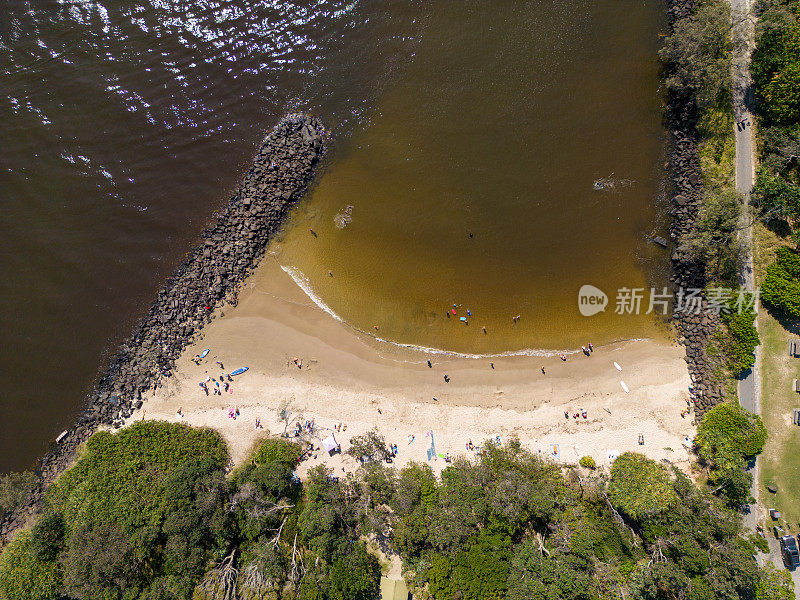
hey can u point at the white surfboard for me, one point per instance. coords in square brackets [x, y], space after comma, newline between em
[617, 367]
[624, 387]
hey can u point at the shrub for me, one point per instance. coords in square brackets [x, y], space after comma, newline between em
[776, 197]
[479, 573]
[715, 243]
[142, 509]
[740, 347]
[270, 471]
[727, 436]
[588, 462]
[355, 575]
[640, 487]
[781, 287]
[15, 489]
[774, 584]
[276, 450]
[536, 575]
[23, 576]
[729, 427]
[371, 444]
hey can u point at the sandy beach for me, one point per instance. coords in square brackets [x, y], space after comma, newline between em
[349, 378]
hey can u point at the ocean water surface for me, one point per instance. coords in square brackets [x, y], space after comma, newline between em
[126, 124]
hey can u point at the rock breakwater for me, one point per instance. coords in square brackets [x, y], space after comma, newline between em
[695, 329]
[208, 277]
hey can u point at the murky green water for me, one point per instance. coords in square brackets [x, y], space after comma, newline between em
[473, 182]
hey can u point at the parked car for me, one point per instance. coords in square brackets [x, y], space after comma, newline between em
[791, 555]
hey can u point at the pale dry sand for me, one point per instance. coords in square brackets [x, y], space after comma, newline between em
[348, 377]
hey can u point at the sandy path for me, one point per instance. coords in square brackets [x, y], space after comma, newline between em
[349, 378]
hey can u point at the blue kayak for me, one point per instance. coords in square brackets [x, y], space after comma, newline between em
[240, 370]
[205, 352]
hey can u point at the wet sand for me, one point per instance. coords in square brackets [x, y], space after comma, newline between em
[347, 377]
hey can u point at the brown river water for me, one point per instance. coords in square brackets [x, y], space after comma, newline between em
[124, 125]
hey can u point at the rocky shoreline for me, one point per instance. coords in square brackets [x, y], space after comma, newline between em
[208, 277]
[695, 330]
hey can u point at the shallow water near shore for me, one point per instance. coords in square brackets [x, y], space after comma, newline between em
[470, 198]
[125, 125]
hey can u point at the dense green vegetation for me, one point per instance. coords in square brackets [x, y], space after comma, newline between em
[775, 66]
[645, 533]
[729, 436]
[696, 57]
[781, 287]
[775, 69]
[697, 72]
[740, 336]
[149, 513]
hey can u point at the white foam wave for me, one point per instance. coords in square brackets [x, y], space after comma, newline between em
[304, 284]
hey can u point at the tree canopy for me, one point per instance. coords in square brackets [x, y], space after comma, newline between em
[506, 525]
[640, 487]
[775, 66]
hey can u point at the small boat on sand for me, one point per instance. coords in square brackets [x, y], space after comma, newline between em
[205, 352]
[239, 371]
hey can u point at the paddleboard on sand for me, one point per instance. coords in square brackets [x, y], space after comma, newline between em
[617, 367]
[624, 387]
[205, 352]
[240, 370]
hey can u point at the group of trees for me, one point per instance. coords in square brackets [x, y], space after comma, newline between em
[513, 526]
[775, 69]
[150, 513]
[696, 58]
[775, 66]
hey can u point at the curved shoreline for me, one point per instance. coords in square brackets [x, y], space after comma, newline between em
[302, 282]
[206, 279]
[304, 362]
[212, 272]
